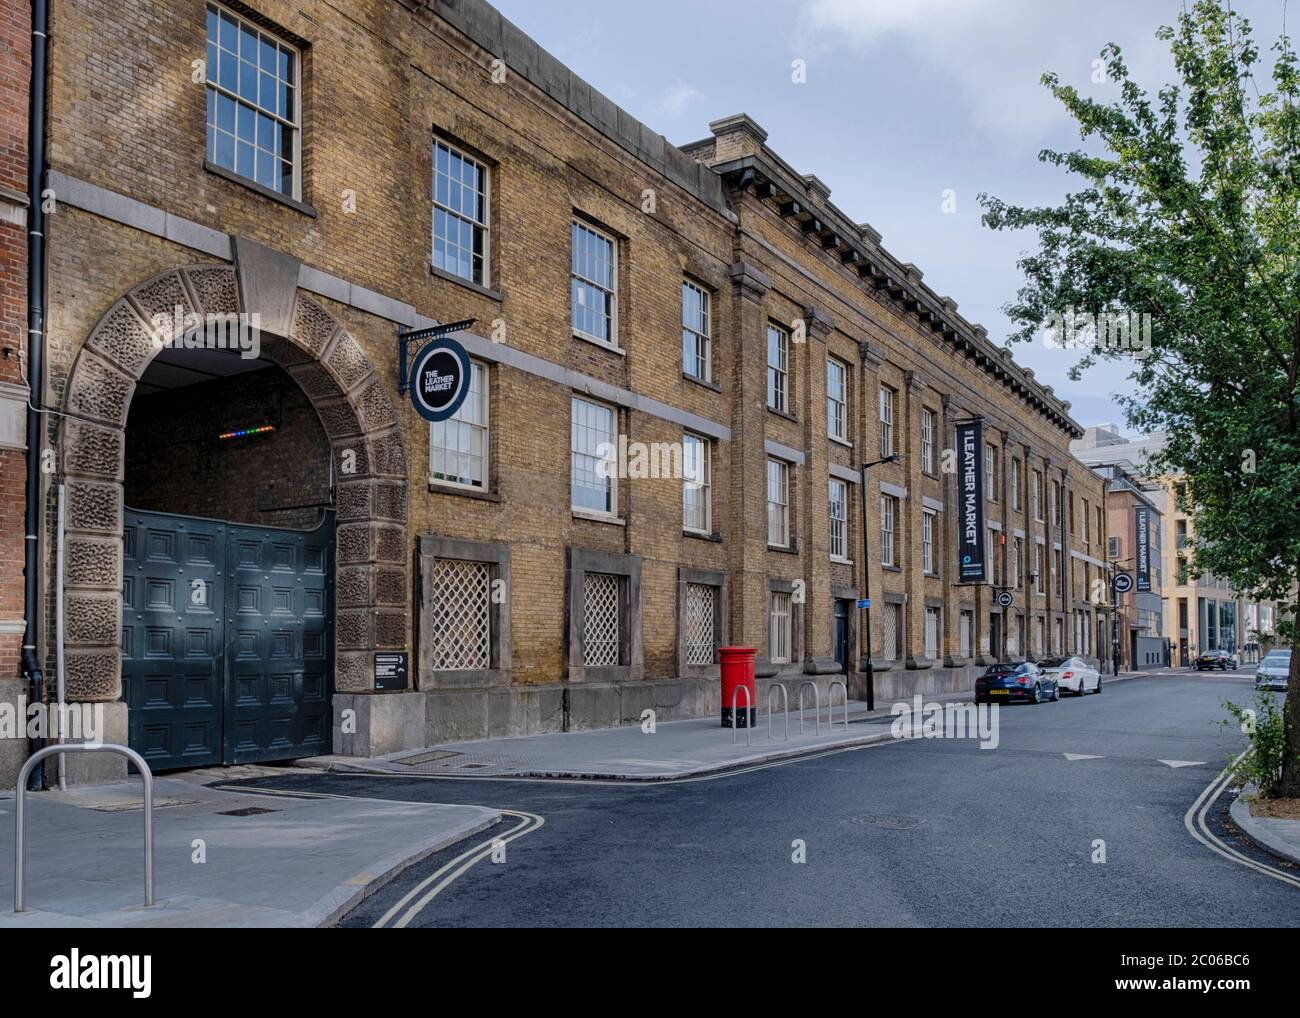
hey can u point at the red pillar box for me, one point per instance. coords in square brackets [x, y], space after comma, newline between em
[738, 670]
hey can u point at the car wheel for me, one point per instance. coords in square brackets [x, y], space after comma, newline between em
[1038, 694]
[1098, 683]
[1056, 693]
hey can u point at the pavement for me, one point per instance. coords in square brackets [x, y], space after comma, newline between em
[288, 861]
[1274, 834]
[674, 750]
[1077, 818]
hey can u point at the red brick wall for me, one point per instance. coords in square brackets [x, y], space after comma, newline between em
[15, 75]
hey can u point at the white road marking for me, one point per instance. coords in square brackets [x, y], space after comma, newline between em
[1183, 763]
[1194, 821]
[1082, 756]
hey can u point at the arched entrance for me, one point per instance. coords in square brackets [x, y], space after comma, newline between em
[368, 458]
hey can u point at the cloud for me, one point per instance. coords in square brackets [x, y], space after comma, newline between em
[991, 52]
[679, 96]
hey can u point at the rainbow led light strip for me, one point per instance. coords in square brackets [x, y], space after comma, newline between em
[242, 432]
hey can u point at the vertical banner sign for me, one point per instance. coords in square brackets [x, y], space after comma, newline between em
[970, 497]
[1142, 527]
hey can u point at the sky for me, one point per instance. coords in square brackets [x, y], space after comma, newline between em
[903, 101]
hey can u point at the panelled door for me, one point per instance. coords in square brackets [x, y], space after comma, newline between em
[227, 640]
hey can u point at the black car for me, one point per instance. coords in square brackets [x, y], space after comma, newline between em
[1011, 680]
[1219, 659]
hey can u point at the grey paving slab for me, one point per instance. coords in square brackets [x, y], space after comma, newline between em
[1279, 836]
[303, 862]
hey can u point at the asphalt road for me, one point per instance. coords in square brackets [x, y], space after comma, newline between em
[928, 832]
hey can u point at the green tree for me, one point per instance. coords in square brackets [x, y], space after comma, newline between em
[1188, 211]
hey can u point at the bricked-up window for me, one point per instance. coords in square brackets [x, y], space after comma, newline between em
[886, 421]
[778, 368]
[1015, 484]
[600, 628]
[927, 441]
[593, 284]
[990, 473]
[700, 608]
[1058, 573]
[1086, 517]
[991, 554]
[1017, 560]
[933, 633]
[1036, 495]
[837, 399]
[697, 347]
[888, 509]
[1038, 567]
[839, 519]
[697, 481]
[253, 98]
[1058, 644]
[461, 208]
[1056, 507]
[458, 447]
[778, 503]
[927, 541]
[778, 629]
[592, 453]
[461, 614]
[1040, 636]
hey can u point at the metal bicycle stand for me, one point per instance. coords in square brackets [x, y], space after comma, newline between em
[817, 707]
[20, 811]
[749, 705]
[830, 705]
[785, 703]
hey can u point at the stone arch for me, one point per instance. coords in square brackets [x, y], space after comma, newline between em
[371, 581]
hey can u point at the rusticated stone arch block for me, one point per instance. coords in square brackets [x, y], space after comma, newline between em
[347, 362]
[123, 338]
[93, 619]
[390, 500]
[93, 562]
[353, 629]
[312, 326]
[389, 543]
[93, 675]
[352, 543]
[352, 587]
[387, 456]
[351, 458]
[314, 380]
[161, 298]
[374, 408]
[338, 418]
[99, 391]
[91, 450]
[353, 671]
[215, 288]
[94, 506]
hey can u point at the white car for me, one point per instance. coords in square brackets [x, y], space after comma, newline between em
[1072, 675]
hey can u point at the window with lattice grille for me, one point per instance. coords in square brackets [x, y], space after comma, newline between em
[778, 629]
[892, 613]
[461, 612]
[699, 624]
[600, 624]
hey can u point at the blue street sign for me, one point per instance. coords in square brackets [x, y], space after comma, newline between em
[864, 602]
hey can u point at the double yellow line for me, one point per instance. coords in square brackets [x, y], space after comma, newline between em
[435, 883]
[1195, 823]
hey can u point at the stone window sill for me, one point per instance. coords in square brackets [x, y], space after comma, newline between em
[261, 189]
[439, 488]
[579, 514]
[468, 284]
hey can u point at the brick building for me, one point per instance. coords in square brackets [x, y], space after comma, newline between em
[235, 560]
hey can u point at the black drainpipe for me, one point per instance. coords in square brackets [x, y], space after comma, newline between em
[35, 354]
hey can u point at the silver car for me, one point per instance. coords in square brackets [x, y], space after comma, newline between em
[1274, 670]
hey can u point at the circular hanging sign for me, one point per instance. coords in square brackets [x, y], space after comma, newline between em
[439, 379]
[1005, 598]
[1123, 583]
